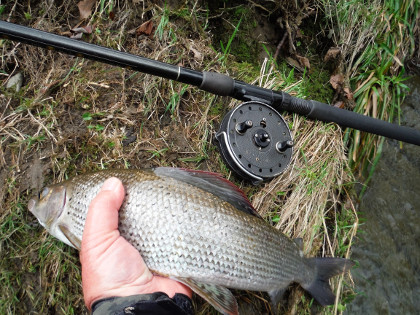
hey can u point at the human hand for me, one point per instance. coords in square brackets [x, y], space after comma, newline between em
[110, 265]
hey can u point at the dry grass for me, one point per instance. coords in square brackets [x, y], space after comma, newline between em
[307, 199]
[76, 115]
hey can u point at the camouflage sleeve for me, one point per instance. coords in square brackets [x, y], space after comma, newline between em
[157, 303]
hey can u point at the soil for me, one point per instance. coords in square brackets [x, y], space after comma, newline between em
[387, 279]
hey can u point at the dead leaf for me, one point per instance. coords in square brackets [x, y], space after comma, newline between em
[304, 62]
[332, 54]
[336, 80]
[78, 32]
[85, 8]
[348, 93]
[197, 55]
[145, 29]
[294, 63]
[83, 29]
[339, 104]
[76, 36]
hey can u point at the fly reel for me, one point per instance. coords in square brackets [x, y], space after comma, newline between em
[255, 141]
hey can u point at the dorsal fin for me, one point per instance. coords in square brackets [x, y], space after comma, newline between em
[213, 183]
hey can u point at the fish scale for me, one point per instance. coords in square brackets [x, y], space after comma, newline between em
[251, 249]
[194, 227]
[223, 261]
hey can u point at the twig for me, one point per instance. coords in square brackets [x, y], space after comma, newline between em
[42, 125]
[280, 45]
[11, 11]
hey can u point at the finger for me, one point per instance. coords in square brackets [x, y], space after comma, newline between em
[102, 216]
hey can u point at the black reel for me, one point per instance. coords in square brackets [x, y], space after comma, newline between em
[255, 141]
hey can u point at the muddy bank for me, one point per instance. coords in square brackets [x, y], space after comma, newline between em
[388, 279]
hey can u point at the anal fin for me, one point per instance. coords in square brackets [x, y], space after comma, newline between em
[275, 298]
[218, 296]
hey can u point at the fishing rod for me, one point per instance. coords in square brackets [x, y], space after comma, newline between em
[253, 138]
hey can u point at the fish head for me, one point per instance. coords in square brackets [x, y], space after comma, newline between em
[48, 207]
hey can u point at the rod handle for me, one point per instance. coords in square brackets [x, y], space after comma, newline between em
[217, 83]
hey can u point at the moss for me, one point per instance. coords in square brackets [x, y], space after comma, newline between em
[243, 46]
[316, 85]
[217, 109]
[245, 71]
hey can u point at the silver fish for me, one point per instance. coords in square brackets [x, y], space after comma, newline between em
[194, 227]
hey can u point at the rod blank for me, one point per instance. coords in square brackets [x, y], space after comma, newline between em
[212, 82]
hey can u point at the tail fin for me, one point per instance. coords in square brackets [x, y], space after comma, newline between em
[325, 268]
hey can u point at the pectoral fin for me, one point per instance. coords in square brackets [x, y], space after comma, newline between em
[72, 239]
[220, 297]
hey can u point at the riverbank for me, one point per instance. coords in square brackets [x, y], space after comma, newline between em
[73, 115]
[387, 280]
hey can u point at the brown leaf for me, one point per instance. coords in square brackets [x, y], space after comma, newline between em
[304, 62]
[293, 63]
[76, 35]
[85, 8]
[83, 29]
[332, 54]
[336, 80]
[78, 32]
[197, 55]
[145, 29]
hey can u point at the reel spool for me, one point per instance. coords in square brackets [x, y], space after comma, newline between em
[255, 142]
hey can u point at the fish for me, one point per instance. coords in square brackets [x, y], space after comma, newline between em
[195, 227]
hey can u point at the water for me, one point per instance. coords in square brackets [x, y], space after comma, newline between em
[388, 248]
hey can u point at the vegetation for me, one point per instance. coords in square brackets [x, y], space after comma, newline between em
[74, 115]
[374, 39]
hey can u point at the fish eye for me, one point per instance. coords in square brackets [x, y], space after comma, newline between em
[43, 193]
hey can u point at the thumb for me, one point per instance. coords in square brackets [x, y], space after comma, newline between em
[102, 216]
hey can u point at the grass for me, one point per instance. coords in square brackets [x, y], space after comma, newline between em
[45, 137]
[164, 20]
[31, 263]
[373, 38]
[175, 99]
[226, 50]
